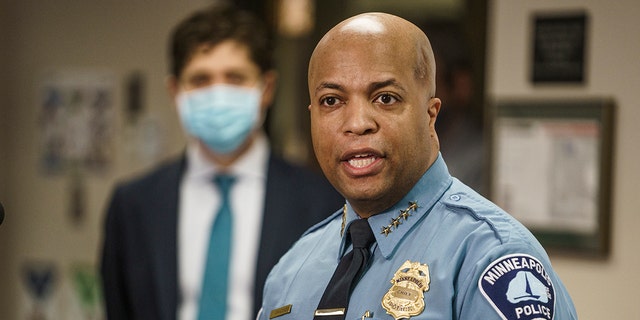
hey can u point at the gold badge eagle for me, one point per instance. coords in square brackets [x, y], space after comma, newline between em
[406, 296]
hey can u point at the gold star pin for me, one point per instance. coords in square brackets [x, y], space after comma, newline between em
[397, 221]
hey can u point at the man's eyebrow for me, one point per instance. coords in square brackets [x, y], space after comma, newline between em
[382, 84]
[372, 87]
[329, 85]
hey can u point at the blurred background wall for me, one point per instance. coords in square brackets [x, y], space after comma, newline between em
[601, 289]
[55, 212]
[53, 219]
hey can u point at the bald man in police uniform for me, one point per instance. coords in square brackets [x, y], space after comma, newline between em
[441, 250]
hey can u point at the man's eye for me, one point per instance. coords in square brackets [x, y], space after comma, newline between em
[198, 81]
[329, 101]
[386, 99]
[237, 79]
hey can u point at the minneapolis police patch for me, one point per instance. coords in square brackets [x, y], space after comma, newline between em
[519, 288]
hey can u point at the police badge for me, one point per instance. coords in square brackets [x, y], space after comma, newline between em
[405, 298]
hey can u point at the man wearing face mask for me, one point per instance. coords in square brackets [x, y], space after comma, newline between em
[196, 237]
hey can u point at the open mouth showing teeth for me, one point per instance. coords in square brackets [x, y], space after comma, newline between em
[362, 161]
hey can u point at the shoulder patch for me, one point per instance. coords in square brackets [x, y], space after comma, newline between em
[518, 287]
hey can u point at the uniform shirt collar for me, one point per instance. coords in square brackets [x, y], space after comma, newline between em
[424, 194]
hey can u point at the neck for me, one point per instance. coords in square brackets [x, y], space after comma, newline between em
[368, 208]
[226, 160]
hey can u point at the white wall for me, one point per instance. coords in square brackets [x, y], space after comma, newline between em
[118, 36]
[601, 289]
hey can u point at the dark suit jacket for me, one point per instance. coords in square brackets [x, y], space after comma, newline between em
[139, 259]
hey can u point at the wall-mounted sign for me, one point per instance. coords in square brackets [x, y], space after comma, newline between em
[76, 120]
[559, 48]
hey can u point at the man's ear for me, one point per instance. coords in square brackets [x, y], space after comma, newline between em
[433, 110]
[172, 86]
[269, 79]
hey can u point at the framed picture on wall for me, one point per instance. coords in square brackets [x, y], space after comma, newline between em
[559, 47]
[551, 169]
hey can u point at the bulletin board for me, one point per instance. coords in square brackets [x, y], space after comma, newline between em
[551, 169]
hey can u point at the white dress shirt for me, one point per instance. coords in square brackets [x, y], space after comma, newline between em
[199, 201]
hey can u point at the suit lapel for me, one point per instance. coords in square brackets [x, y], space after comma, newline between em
[164, 220]
[273, 208]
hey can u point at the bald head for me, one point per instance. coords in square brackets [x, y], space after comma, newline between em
[381, 30]
[373, 110]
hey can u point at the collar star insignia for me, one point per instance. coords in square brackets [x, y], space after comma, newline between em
[397, 221]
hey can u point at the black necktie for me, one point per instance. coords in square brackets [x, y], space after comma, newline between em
[335, 299]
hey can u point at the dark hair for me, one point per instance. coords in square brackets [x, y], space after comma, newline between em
[214, 25]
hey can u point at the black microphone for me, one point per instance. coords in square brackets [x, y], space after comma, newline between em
[1, 213]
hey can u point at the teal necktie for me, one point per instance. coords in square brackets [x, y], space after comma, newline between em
[213, 296]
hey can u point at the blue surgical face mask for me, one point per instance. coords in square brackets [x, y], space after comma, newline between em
[221, 116]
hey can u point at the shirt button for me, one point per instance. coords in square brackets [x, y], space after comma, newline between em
[455, 197]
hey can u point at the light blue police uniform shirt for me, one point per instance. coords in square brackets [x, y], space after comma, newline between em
[482, 263]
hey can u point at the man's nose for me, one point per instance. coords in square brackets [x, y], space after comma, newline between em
[360, 117]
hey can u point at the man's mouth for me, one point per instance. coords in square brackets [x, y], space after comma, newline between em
[361, 161]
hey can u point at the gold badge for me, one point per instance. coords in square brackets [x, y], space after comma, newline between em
[406, 296]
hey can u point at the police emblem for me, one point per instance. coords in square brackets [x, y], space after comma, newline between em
[405, 298]
[518, 287]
